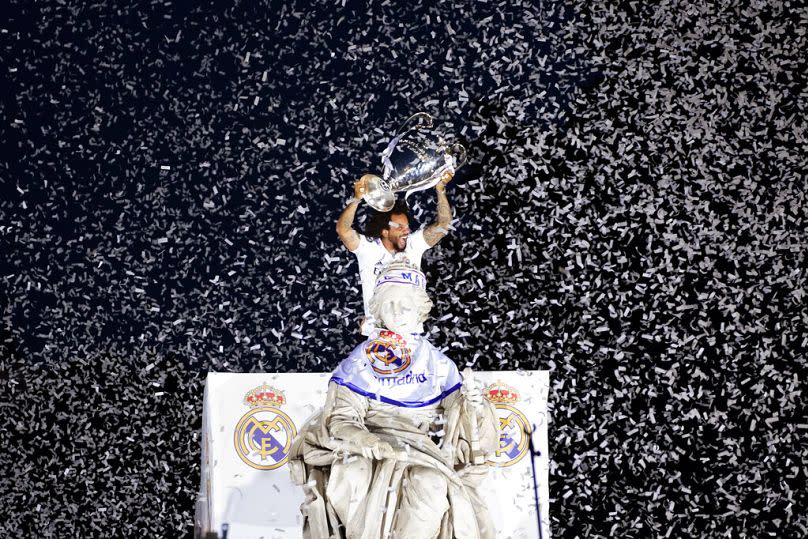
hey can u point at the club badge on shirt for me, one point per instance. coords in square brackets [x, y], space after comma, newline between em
[388, 353]
[397, 370]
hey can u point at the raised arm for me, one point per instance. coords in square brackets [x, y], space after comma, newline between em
[345, 229]
[437, 230]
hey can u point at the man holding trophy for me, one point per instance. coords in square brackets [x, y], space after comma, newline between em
[416, 159]
[399, 449]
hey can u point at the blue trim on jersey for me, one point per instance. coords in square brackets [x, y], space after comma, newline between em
[355, 389]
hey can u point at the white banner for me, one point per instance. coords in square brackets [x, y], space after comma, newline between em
[246, 489]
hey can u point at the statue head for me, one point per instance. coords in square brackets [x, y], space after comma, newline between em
[399, 301]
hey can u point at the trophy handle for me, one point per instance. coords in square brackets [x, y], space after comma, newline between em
[458, 154]
[416, 121]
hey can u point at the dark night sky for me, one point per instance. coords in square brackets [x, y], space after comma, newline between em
[632, 218]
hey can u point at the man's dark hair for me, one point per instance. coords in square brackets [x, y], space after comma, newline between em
[378, 221]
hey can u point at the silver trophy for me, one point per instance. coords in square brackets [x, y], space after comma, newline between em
[416, 159]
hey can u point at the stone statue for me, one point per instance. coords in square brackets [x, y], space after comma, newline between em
[398, 450]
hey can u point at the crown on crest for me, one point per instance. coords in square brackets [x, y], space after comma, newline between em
[501, 393]
[264, 395]
[392, 336]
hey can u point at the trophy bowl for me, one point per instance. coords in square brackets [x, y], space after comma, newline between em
[379, 196]
[415, 159]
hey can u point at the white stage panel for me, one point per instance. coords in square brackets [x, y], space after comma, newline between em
[245, 477]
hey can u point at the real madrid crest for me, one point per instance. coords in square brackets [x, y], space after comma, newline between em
[264, 435]
[388, 353]
[514, 427]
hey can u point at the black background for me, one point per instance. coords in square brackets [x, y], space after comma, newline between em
[633, 217]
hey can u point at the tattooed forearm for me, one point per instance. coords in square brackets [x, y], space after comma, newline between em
[436, 231]
[345, 231]
[444, 210]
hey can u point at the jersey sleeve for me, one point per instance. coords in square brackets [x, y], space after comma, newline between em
[364, 246]
[418, 243]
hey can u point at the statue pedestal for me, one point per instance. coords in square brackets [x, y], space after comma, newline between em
[249, 421]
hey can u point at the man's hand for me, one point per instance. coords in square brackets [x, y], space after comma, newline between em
[360, 187]
[446, 178]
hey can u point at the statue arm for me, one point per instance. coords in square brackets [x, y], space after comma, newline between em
[469, 419]
[488, 426]
[437, 230]
[481, 411]
[346, 414]
[346, 422]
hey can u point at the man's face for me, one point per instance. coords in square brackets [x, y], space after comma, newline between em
[398, 232]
